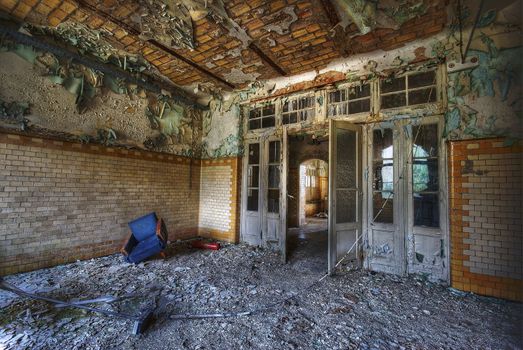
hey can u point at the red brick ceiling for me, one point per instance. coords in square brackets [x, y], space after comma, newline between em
[223, 61]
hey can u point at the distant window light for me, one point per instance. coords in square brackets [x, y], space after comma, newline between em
[298, 110]
[352, 100]
[409, 90]
[262, 117]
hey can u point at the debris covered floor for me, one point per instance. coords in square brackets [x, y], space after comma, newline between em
[355, 309]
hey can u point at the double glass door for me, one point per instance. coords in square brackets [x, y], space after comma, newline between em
[262, 188]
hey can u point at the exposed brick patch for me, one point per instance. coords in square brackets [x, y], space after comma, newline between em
[61, 201]
[485, 218]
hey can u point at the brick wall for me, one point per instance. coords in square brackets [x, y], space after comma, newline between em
[486, 225]
[219, 199]
[62, 201]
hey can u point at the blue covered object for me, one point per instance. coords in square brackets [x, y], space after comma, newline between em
[144, 226]
[148, 238]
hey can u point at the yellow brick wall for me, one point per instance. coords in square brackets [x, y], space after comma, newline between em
[60, 201]
[485, 218]
[219, 199]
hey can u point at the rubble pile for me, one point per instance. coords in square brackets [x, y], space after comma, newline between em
[354, 309]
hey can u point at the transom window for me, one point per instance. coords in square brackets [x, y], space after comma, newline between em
[298, 110]
[352, 100]
[262, 117]
[408, 90]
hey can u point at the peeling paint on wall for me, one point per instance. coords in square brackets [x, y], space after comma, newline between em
[486, 100]
[222, 129]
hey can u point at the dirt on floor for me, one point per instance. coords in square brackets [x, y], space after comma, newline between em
[355, 309]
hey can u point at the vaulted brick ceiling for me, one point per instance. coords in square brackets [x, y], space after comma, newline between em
[284, 37]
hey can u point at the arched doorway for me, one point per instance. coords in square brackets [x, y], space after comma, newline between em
[313, 195]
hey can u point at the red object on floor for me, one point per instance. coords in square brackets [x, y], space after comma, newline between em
[205, 245]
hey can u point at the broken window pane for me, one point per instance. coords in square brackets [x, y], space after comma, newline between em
[422, 79]
[392, 85]
[383, 207]
[273, 205]
[426, 209]
[394, 100]
[252, 199]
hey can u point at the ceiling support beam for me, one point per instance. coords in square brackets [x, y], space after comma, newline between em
[131, 30]
[266, 59]
[330, 12]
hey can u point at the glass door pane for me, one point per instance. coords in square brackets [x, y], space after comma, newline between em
[425, 182]
[273, 194]
[383, 176]
[346, 166]
[253, 177]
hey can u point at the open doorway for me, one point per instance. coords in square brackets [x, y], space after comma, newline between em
[307, 204]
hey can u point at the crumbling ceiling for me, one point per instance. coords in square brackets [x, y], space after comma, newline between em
[205, 45]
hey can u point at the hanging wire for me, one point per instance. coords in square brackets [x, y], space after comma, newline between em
[462, 52]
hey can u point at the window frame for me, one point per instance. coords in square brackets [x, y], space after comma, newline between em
[262, 116]
[434, 86]
[346, 87]
[442, 230]
[278, 164]
[248, 167]
[297, 98]
[396, 196]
